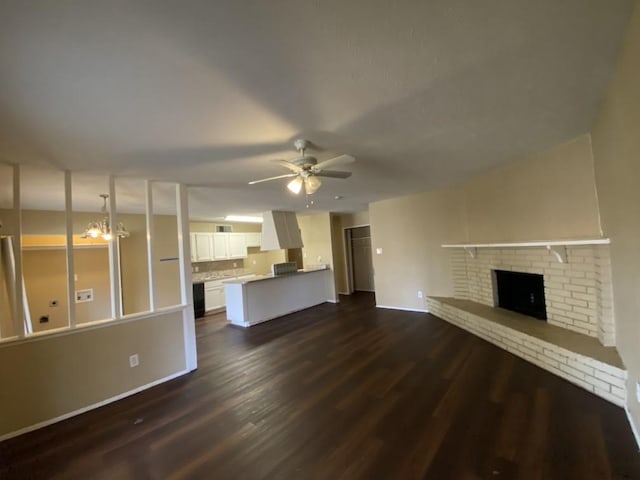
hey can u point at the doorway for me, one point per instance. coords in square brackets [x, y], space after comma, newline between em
[359, 259]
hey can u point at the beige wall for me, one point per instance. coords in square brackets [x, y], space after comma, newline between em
[53, 376]
[259, 262]
[616, 147]
[92, 267]
[134, 266]
[410, 230]
[550, 195]
[45, 278]
[317, 240]
[210, 227]
[166, 264]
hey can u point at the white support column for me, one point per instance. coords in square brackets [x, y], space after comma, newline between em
[150, 244]
[114, 254]
[184, 254]
[71, 284]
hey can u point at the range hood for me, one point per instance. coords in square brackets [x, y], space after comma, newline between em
[280, 231]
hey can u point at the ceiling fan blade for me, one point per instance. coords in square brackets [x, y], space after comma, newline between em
[333, 174]
[339, 160]
[291, 166]
[286, 175]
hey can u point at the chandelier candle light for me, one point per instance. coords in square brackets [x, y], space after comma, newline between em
[102, 228]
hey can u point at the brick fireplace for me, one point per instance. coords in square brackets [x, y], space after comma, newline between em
[577, 293]
[576, 342]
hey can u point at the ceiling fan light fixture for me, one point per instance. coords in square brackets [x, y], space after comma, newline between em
[295, 185]
[312, 184]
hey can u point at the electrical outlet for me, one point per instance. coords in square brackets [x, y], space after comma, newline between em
[420, 294]
[378, 251]
[196, 269]
[254, 262]
[235, 264]
[84, 295]
[134, 361]
[638, 391]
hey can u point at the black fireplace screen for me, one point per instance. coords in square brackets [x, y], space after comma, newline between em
[522, 293]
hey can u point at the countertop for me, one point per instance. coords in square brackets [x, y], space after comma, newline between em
[260, 278]
[221, 275]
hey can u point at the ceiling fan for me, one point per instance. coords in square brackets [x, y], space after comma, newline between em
[306, 169]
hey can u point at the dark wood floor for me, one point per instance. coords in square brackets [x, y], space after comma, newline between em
[342, 391]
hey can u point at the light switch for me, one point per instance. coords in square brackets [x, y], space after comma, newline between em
[379, 251]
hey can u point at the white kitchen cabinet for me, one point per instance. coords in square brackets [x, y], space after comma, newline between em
[202, 247]
[214, 295]
[220, 246]
[253, 239]
[237, 245]
[192, 247]
[206, 247]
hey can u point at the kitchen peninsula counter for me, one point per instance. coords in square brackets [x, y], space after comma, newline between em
[265, 297]
[271, 276]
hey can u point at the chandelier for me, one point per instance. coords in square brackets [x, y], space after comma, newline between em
[102, 228]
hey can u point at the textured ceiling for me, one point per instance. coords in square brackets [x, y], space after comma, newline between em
[423, 93]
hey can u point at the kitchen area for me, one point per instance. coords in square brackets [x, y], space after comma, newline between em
[239, 257]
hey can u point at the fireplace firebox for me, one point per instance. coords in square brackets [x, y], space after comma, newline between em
[521, 292]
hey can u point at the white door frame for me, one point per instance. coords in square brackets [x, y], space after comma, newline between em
[348, 258]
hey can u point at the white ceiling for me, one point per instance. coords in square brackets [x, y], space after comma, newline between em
[423, 93]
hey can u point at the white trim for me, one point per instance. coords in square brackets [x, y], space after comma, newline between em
[348, 258]
[93, 406]
[358, 226]
[343, 293]
[541, 243]
[71, 269]
[634, 429]
[405, 309]
[150, 242]
[83, 327]
[114, 254]
[62, 247]
[186, 280]
[21, 306]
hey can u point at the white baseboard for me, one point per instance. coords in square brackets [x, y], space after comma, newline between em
[634, 429]
[51, 421]
[422, 310]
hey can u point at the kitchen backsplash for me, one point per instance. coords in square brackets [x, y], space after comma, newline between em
[217, 266]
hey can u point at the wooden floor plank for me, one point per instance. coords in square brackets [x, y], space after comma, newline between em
[342, 391]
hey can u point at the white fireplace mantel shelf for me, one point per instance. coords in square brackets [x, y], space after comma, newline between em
[539, 243]
[555, 247]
